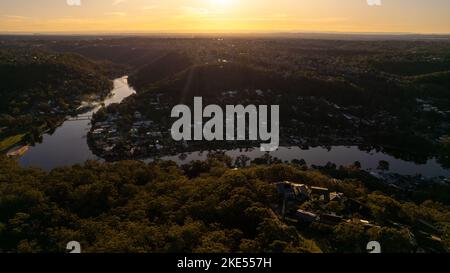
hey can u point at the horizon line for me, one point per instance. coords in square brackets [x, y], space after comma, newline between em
[175, 33]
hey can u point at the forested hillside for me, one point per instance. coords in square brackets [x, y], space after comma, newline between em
[41, 88]
[391, 96]
[209, 206]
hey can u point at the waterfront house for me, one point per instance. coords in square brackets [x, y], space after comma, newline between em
[137, 115]
[337, 196]
[331, 219]
[306, 216]
[285, 189]
[323, 193]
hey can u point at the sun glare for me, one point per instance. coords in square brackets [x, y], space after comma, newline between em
[221, 3]
[225, 15]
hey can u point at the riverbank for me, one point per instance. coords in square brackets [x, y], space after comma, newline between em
[67, 144]
[29, 138]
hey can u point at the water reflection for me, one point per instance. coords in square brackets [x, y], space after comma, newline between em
[67, 145]
[339, 155]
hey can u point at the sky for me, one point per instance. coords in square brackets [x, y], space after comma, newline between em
[224, 16]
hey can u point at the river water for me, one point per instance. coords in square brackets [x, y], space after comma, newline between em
[68, 146]
[339, 155]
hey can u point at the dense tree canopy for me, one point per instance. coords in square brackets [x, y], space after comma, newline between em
[41, 88]
[131, 206]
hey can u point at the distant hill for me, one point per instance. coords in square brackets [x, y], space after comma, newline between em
[211, 80]
[208, 80]
[70, 73]
[122, 56]
[438, 78]
[160, 69]
[39, 88]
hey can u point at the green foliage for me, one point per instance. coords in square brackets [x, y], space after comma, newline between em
[131, 206]
[41, 88]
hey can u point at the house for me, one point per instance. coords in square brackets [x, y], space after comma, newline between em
[429, 242]
[337, 196]
[137, 115]
[323, 193]
[377, 175]
[154, 134]
[291, 190]
[331, 219]
[319, 190]
[348, 117]
[109, 148]
[305, 216]
[285, 189]
[426, 226]
[97, 131]
[102, 124]
[145, 123]
[445, 140]
[367, 224]
[301, 191]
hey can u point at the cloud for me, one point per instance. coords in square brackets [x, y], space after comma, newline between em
[15, 17]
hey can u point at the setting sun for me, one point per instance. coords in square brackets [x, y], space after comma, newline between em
[220, 2]
[222, 6]
[225, 135]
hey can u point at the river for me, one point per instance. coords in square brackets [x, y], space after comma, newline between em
[339, 155]
[68, 146]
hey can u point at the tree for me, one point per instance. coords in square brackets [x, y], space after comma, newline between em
[242, 161]
[357, 165]
[349, 238]
[392, 240]
[383, 166]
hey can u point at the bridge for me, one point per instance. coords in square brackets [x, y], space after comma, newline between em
[80, 118]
